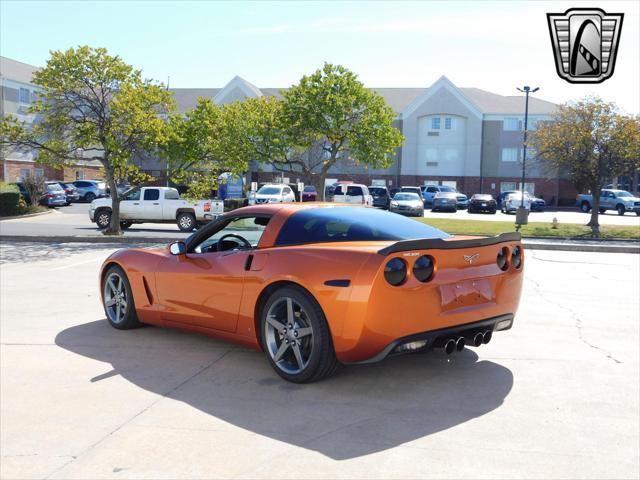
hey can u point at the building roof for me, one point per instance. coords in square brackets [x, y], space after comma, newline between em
[14, 70]
[397, 98]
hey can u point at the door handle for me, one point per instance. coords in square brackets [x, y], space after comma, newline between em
[156, 204]
[136, 203]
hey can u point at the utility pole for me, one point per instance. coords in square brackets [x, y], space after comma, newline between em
[523, 213]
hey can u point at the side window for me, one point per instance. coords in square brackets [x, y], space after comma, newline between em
[432, 189]
[171, 194]
[287, 190]
[81, 184]
[151, 194]
[354, 191]
[243, 234]
[132, 194]
[338, 190]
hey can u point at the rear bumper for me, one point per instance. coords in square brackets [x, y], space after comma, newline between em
[431, 337]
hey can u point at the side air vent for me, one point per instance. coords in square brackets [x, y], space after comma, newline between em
[147, 290]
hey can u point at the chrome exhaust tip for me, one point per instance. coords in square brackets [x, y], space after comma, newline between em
[450, 346]
[478, 338]
[486, 336]
[460, 343]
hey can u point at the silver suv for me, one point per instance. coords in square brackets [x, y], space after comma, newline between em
[89, 190]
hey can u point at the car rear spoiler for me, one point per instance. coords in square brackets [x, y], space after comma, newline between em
[441, 244]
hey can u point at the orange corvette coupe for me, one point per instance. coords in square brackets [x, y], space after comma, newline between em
[316, 285]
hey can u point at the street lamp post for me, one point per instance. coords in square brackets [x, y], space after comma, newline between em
[526, 91]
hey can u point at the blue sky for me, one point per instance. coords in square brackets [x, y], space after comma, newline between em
[491, 45]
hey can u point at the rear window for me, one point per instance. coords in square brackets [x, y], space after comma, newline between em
[347, 224]
[378, 191]
[171, 194]
[54, 187]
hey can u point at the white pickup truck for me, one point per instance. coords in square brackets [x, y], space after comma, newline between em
[156, 205]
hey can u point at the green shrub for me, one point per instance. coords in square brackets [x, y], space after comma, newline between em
[233, 203]
[9, 203]
[8, 187]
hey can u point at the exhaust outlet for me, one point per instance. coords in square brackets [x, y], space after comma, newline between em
[478, 339]
[486, 336]
[450, 346]
[460, 343]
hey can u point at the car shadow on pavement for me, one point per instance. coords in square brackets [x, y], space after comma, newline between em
[362, 410]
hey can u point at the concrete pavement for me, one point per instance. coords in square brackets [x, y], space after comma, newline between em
[556, 397]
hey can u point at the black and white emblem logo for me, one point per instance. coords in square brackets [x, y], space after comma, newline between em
[585, 43]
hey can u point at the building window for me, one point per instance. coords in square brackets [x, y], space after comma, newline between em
[528, 187]
[448, 123]
[24, 174]
[511, 124]
[432, 154]
[24, 95]
[435, 123]
[79, 174]
[507, 187]
[449, 183]
[38, 172]
[509, 154]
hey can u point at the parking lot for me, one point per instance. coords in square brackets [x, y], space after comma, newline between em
[556, 396]
[74, 220]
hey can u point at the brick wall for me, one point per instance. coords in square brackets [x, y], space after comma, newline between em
[10, 171]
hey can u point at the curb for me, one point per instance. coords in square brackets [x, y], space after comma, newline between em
[17, 217]
[632, 247]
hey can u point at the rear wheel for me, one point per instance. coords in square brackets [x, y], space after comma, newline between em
[602, 210]
[620, 208]
[118, 300]
[295, 336]
[585, 207]
[103, 218]
[186, 221]
[125, 225]
[90, 197]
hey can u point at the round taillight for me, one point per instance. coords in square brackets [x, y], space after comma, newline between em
[395, 271]
[423, 268]
[502, 259]
[516, 257]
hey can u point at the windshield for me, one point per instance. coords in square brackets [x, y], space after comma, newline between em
[268, 190]
[309, 188]
[54, 187]
[344, 224]
[377, 191]
[448, 189]
[623, 194]
[406, 196]
[445, 195]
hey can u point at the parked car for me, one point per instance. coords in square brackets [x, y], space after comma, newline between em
[407, 203]
[482, 202]
[444, 201]
[537, 204]
[512, 201]
[156, 205]
[412, 190]
[24, 192]
[610, 199]
[380, 195]
[353, 193]
[70, 191]
[89, 190]
[309, 194]
[54, 195]
[273, 193]
[430, 191]
[381, 285]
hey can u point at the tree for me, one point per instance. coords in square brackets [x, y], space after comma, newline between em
[93, 106]
[204, 143]
[593, 142]
[331, 112]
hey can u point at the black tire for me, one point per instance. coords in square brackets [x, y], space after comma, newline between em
[638, 214]
[90, 197]
[125, 225]
[321, 361]
[585, 207]
[121, 314]
[186, 221]
[602, 210]
[493, 212]
[620, 209]
[103, 218]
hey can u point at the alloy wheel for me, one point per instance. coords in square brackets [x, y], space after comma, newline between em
[104, 218]
[115, 297]
[289, 335]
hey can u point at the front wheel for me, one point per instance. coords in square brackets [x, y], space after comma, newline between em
[186, 222]
[295, 336]
[125, 225]
[103, 219]
[621, 210]
[602, 210]
[118, 300]
[585, 207]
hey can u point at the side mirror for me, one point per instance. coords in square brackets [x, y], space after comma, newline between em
[178, 248]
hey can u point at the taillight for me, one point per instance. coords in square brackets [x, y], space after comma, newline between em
[502, 259]
[423, 268]
[49, 195]
[516, 257]
[207, 207]
[395, 271]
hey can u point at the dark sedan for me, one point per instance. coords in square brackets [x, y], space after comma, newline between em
[481, 202]
[381, 197]
[309, 194]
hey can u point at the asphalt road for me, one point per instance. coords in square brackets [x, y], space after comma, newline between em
[557, 396]
[74, 221]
